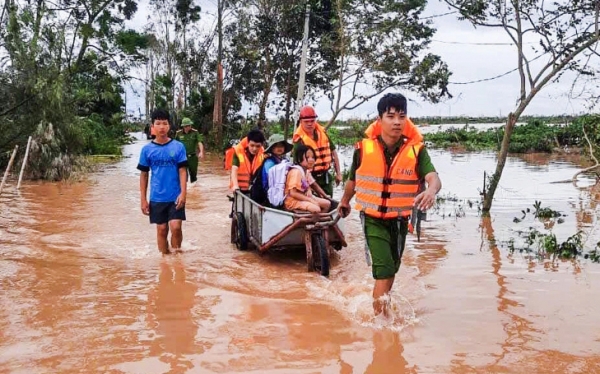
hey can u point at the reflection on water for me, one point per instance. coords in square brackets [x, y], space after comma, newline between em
[85, 290]
[169, 311]
[387, 354]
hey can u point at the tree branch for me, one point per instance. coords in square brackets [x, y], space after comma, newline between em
[588, 169]
[474, 21]
[23, 102]
[519, 43]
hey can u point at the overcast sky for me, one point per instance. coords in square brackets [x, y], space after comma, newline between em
[462, 48]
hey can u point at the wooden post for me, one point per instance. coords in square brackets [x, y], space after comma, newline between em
[24, 162]
[12, 158]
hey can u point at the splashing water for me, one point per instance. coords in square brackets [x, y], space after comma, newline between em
[356, 302]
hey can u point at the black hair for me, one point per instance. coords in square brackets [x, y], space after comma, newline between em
[256, 135]
[301, 151]
[160, 114]
[391, 100]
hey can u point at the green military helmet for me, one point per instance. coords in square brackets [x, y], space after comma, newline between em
[186, 122]
[276, 139]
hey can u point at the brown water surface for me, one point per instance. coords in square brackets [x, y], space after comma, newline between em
[84, 289]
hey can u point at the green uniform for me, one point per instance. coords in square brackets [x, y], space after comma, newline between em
[325, 179]
[386, 238]
[190, 141]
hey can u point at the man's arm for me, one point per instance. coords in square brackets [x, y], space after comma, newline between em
[344, 208]
[144, 192]
[426, 199]
[426, 170]
[144, 167]
[349, 190]
[336, 163]
[200, 149]
[180, 202]
[316, 188]
[234, 178]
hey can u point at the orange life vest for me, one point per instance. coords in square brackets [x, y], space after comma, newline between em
[383, 192]
[229, 158]
[411, 131]
[229, 152]
[322, 147]
[247, 169]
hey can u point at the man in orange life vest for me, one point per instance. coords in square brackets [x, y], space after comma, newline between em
[310, 133]
[248, 157]
[388, 168]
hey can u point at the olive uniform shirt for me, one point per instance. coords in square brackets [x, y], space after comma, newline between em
[189, 140]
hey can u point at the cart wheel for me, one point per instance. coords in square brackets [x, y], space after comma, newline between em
[320, 254]
[309, 251]
[238, 231]
[233, 229]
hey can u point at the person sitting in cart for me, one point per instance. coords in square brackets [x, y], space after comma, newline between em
[246, 161]
[299, 182]
[278, 147]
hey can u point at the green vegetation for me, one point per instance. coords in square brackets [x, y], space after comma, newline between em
[538, 135]
[61, 81]
[535, 136]
[545, 244]
[535, 240]
[463, 120]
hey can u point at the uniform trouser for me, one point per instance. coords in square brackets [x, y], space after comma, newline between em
[193, 167]
[385, 241]
[325, 181]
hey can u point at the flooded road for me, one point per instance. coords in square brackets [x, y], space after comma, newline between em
[84, 289]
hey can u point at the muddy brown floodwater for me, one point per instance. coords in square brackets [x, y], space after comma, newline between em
[83, 288]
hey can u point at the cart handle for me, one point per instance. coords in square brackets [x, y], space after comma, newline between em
[324, 223]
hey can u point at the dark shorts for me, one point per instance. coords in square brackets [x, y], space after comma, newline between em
[161, 213]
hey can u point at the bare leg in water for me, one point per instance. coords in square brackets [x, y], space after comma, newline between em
[162, 231]
[381, 291]
[176, 235]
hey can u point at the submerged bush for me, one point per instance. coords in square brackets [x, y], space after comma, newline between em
[535, 136]
[545, 244]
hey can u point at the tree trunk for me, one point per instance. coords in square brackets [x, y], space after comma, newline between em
[269, 78]
[332, 119]
[218, 104]
[36, 29]
[502, 155]
[288, 101]
[341, 32]
[186, 69]
[262, 116]
[218, 101]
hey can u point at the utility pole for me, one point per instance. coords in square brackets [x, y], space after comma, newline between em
[300, 97]
[218, 102]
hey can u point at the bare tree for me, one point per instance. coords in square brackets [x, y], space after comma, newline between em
[558, 33]
[381, 45]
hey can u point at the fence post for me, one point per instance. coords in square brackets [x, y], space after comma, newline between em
[12, 158]
[24, 162]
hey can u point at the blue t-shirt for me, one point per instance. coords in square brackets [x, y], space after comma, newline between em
[164, 160]
[268, 163]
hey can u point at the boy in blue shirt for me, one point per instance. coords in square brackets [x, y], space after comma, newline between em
[168, 161]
